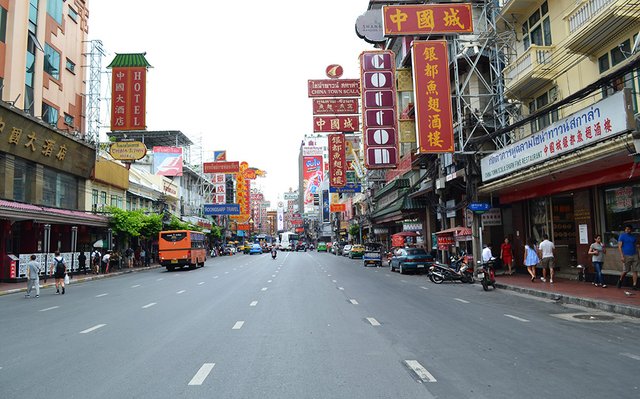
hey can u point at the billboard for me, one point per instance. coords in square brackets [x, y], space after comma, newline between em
[128, 98]
[219, 156]
[219, 188]
[334, 88]
[221, 167]
[335, 106]
[427, 19]
[167, 161]
[325, 206]
[128, 150]
[312, 173]
[336, 123]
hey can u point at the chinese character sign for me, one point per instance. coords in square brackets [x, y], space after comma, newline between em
[220, 188]
[128, 98]
[337, 161]
[424, 19]
[433, 96]
[335, 124]
[379, 115]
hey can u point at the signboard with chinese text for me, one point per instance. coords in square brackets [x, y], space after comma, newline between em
[167, 161]
[493, 217]
[334, 88]
[325, 206]
[323, 124]
[220, 188]
[427, 19]
[221, 167]
[128, 98]
[379, 114]
[337, 161]
[434, 120]
[335, 106]
[338, 207]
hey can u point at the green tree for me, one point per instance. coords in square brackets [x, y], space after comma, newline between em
[129, 223]
[354, 230]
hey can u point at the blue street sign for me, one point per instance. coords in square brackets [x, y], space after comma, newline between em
[348, 188]
[479, 207]
[221, 209]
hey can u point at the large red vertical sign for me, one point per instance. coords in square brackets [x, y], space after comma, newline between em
[128, 98]
[434, 120]
[379, 115]
[337, 161]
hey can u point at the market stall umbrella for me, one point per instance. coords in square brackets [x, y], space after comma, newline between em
[100, 244]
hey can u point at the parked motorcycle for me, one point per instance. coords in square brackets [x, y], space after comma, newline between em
[438, 272]
[486, 274]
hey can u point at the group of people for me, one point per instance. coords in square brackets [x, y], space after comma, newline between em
[58, 269]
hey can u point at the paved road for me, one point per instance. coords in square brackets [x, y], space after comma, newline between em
[307, 325]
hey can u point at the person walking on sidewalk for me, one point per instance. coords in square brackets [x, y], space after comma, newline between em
[531, 258]
[506, 255]
[105, 262]
[548, 260]
[33, 277]
[128, 253]
[58, 269]
[82, 263]
[597, 251]
[96, 257]
[628, 247]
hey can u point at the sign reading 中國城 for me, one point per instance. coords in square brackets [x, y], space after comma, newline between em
[128, 98]
[434, 120]
[337, 160]
[604, 119]
[423, 19]
[335, 123]
[379, 116]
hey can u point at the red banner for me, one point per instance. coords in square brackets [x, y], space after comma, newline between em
[337, 161]
[221, 167]
[335, 106]
[334, 88]
[427, 19]
[337, 207]
[379, 115]
[433, 96]
[335, 124]
[128, 98]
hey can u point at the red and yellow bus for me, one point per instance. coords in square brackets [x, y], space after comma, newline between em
[178, 248]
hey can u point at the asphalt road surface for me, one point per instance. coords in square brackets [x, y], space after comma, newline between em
[307, 325]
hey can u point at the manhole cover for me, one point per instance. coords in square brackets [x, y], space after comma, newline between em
[594, 317]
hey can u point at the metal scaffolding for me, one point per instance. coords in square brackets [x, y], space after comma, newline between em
[94, 57]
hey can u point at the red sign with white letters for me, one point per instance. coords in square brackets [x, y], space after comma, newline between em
[128, 98]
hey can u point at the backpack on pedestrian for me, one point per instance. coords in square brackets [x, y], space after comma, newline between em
[59, 266]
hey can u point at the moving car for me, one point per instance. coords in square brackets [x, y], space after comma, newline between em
[345, 250]
[322, 246]
[357, 251]
[410, 259]
[255, 249]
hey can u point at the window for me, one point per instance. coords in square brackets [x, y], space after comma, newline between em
[54, 9]
[3, 24]
[114, 200]
[537, 29]
[23, 182]
[128, 203]
[94, 196]
[49, 114]
[622, 207]
[51, 61]
[103, 197]
[68, 120]
[620, 53]
[71, 66]
[73, 14]
[603, 63]
[33, 15]
[545, 119]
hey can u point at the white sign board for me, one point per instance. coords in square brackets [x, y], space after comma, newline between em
[493, 217]
[584, 237]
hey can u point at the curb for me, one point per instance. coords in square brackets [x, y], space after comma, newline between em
[626, 310]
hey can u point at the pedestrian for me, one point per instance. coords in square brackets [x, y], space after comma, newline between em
[597, 251]
[58, 269]
[96, 257]
[531, 259]
[628, 247]
[128, 253]
[33, 277]
[506, 255]
[548, 260]
[143, 256]
[486, 254]
[82, 262]
[105, 262]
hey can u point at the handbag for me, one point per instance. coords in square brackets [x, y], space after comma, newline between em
[66, 278]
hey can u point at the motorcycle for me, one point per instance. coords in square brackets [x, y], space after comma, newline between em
[460, 270]
[486, 274]
[274, 253]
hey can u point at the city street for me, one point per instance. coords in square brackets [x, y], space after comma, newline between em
[307, 325]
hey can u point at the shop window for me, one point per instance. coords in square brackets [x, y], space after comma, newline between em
[622, 207]
[537, 28]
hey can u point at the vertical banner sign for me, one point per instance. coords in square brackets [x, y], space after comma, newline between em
[312, 173]
[325, 206]
[379, 115]
[128, 98]
[220, 187]
[337, 161]
[434, 120]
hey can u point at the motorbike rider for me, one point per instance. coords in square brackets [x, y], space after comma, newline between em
[274, 252]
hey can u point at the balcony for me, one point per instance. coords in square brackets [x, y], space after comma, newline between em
[593, 23]
[530, 72]
[518, 7]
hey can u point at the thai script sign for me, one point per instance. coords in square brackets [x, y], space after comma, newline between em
[335, 106]
[128, 97]
[312, 150]
[221, 167]
[434, 120]
[604, 119]
[323, 124]
[128, 150]
[426, 19]
[334, 88]
[337, 161]
[379, 115]
[291, 196]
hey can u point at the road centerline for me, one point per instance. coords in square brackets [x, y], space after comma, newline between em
[420, 371]
[48, 309]
[373, 321]
[238, 325]
[149, 305]
[202, 374]
[461, 300]
[88, 330]
[517, 318]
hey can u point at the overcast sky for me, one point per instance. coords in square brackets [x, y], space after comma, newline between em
[234, 73]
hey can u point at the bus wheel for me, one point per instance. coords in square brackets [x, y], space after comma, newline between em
[170, 268]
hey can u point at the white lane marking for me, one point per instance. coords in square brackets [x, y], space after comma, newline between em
[631, 355]
[461, 300]
[226, 272]
[135, 286]
[269, 281]
[334, 281]
[181, 291]
[202, 374]
[517, 318]
[263, 289]
[160, 279]
[373, 321]
[403, 281]
[51, 308]
[88, 330]
[328, 275]
[200, 283]
[215, 276]
[238, 325]
[341, 288]
[420, 371]
[149, 305]
[353, 301]
[101, 295]
[273, 275]
[254, 303]
[424, 288]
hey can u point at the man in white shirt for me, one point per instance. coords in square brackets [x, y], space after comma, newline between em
[546, 249]
[486, 253]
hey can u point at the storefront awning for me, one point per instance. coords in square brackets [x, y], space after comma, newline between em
[456, 231]
[18, 211]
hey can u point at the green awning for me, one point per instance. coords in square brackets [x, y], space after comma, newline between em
[130, 60]
[404, 203]
[395, 185]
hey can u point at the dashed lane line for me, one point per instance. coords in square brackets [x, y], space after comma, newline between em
[334, 281]
[341, 288]
[135, 286]
[403, 281]
[424, 288]
[631, 355]
[517, 318]
[200, 283]
[420, 371]
[215, 276]
[101, 295]
[269, 281]
[461, 300]
[160, 279]
[254, 303]
[181, 291]
[48, 309]
[238, 325]
[149, 305]
[264, 289]
[373, 321]
[202, 374]
[353, 301]
[88, 330]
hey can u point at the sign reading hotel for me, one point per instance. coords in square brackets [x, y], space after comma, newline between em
[379, 115]
[335, 106]
[128, 93]
[602, 120]
[426, 19]
[221, 167]
[434, 120]
[334, 88]
[335, 124]
[337, 161]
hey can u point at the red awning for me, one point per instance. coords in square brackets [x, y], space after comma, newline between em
[405, 234]
[457, 231]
